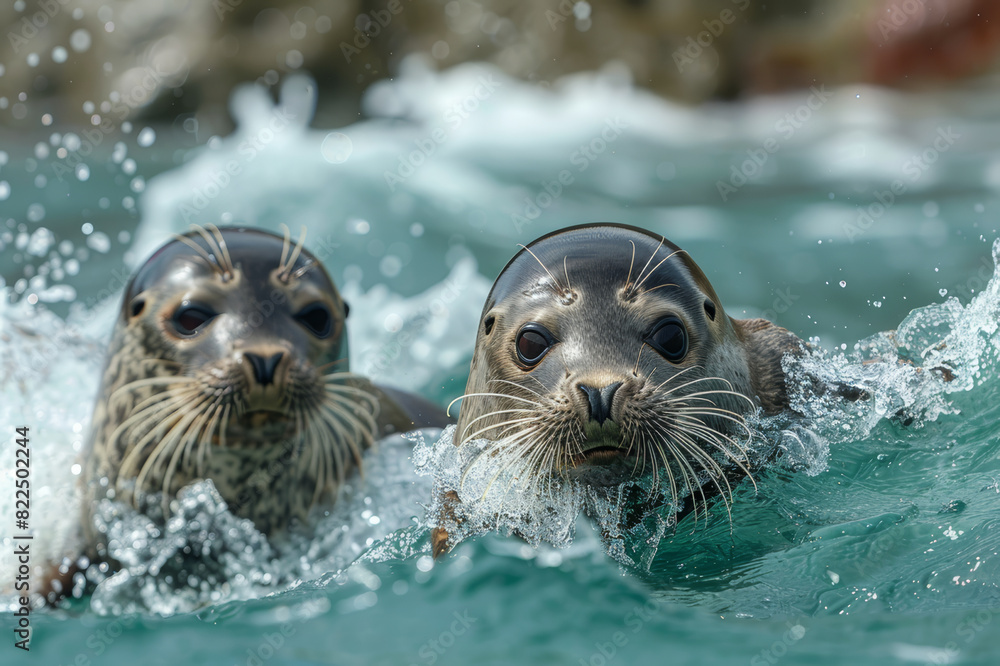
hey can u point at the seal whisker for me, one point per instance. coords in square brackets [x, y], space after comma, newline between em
[150, 409]
[713, 469]
[288, 260]
[212, 263]
[500, 425]
[653, 270]
[515, 459]
[558, 288]
[152, 381]
[175, 420]
[638, 278]
[182, 442]
[489, 414]
[223, 248]
[628, 280]
[516, 385]
[491, 395]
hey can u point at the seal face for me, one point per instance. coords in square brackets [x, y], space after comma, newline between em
[604, 353]
[229, 361]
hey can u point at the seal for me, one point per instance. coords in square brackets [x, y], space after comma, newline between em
[229, 362]
[604, 353]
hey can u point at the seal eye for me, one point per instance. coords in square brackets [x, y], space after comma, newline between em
[317, 319]
[533, 341]
[670, 339]
[190, 317]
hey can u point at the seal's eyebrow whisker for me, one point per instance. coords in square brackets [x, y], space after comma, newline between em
[227, 260]
[660, 286]
[288, 259]
[212, 262]
[628, 280]
[653, 270]
[305, 268]
[557, 287]
[220, 259]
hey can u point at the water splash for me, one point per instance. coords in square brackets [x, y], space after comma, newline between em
[904, 376]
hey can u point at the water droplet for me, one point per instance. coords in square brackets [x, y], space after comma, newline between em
[393, 322]
[59, 54]
[87, 228]
[4, 190]
[416, 230]
[119, 153]
[128, 166]
[71, 142]
[390, 266]
[359, 227]
[293, 59]
[41, 150]
[36, 212]
[99, 242]
[32, 60]
[79, 41]
[877, 304]
[138, 184]
[336, 148]
[943, 292]
[146, 137]
[3, 157]
[843, 283]
[82, 172]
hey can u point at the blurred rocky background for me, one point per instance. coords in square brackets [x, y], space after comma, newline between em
[177, 61]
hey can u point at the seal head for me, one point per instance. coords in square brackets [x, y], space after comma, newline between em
[229, 362]
[604, 353]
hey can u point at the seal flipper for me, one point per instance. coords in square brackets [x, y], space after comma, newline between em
[766, 344]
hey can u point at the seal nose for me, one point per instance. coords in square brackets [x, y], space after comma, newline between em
[263, 368]
[600, 400]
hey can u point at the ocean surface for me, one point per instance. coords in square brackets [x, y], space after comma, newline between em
[837, 213]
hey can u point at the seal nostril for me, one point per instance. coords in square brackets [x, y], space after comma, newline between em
[263, 368]
[600, 400]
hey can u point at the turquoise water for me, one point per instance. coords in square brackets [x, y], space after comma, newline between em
[877, 543]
